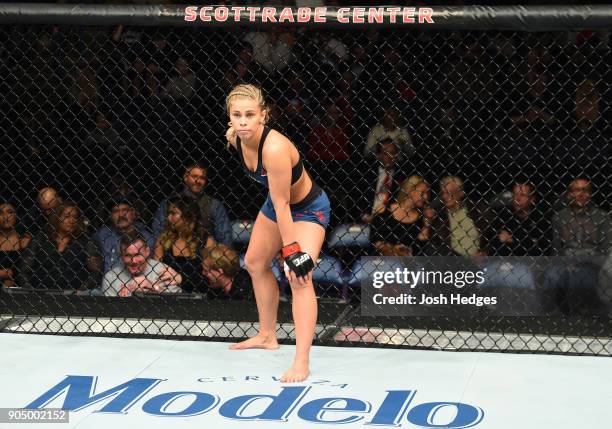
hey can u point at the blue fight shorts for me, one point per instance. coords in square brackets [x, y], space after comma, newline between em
[314, 208]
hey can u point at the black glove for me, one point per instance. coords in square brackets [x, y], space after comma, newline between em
[299, 262]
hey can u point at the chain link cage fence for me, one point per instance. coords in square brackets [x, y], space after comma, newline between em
[435, 131]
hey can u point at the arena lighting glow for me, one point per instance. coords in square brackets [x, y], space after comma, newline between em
[397, 407]
[343, 15]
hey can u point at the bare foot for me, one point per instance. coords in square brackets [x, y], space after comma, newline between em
[298, 372]
[257, 342]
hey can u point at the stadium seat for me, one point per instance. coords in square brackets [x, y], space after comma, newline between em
[514, 286]
[241, 232]
[350, 235]
[574, 286]
[507, 274]
[364, 267]
[328, 275]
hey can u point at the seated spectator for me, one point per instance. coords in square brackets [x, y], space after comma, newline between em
[520, 228]
[586, 150]
[272, 50]
[604, 291]
[444, 145]
[182, 241]
[329, 156]
[119, 187]
[137, 83]
[582, 229]
[46, 201]
[294, 104]
[182, 86]
[12, 244]
[246, 68]
[379, 184]
[388, 127]
[84, 89]
[123, 187]
[534, 105]
[123, 221]
[159, 56]
[221, 267]
[62, 256]
[104, 141]
[213, 216]
[404, 228]
[581, 234]
[588, 102]
[459, 227]
[410, 184]
[328, 140]
[139, 272]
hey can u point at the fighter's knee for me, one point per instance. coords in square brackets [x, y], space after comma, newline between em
[254, 264]
[298, 288]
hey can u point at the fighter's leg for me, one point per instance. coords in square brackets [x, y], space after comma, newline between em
[264, 245]
[310, 236]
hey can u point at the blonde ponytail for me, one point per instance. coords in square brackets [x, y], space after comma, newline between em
[230, 134]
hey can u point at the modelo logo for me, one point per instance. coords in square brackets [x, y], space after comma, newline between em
[396, 409]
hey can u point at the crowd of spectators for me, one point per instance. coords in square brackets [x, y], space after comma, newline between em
[123, 256]
[446, 143]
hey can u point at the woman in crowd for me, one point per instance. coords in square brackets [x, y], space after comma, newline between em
[404, 227]
[12, 245]
[181, 242]
[62, 256]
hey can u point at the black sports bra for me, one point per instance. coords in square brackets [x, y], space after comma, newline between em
[260, 174]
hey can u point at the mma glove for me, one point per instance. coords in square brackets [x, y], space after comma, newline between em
[297, 261]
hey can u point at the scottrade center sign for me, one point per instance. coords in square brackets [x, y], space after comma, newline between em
[303, 15]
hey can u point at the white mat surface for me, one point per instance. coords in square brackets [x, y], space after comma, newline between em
[435, 389]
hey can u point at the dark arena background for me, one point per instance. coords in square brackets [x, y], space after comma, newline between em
[110, 112]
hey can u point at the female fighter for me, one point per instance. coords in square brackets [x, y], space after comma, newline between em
[293, 220]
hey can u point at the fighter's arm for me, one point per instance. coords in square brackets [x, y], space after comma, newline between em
[276, 158]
